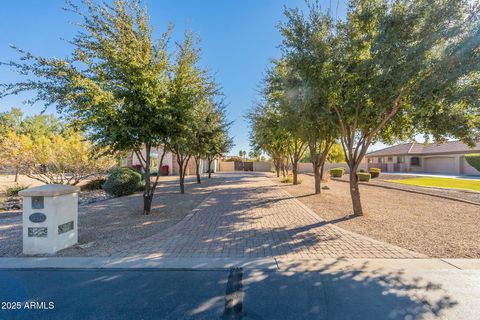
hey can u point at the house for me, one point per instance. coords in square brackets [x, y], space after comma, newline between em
[169, 160]
[444, 158]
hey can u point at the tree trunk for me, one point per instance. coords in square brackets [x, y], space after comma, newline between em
[318, 178]
[147, 195]
[17, 169]
[276, 163]
[210, 168]
[322, 168]
[355, 193]
[295, 171]
[197, 169]
[182, 177]
[147, 203]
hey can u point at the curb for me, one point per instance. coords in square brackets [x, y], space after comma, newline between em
[271, 264]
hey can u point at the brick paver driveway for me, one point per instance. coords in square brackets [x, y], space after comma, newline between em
[248, 216]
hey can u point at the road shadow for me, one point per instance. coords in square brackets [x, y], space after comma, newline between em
[328, 291]
[333, 291]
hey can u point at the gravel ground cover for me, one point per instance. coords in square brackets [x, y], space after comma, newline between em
[429, 225]
[13, 205]
[105, 226]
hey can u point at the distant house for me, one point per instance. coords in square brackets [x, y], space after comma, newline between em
[169, 160]
[445, 158]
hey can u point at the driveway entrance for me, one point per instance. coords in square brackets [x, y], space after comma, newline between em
[248, 216]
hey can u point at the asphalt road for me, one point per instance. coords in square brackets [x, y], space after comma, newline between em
[237, 294]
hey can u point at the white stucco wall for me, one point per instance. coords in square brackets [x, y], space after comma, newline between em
[58, 210]
[226, 166]
[167, 159]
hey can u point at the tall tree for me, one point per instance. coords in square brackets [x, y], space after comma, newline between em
[190, 88]
[401, 67]
[17, 131]
[114, 86]
[281, 89]
[268, 134]
[218, 141]
[313, 80]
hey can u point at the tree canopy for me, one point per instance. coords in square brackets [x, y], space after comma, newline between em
[119, 85]
[387, 71]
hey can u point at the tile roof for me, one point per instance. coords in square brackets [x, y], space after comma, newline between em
[425, 148]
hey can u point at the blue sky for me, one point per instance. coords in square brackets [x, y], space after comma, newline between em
[238, 39]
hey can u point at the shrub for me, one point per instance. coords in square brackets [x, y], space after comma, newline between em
[289, 179]
[95, 184]
[13, 191]
[337, 172]
[122, 181]
[473, 160]
[375, 172]
[362, 170]
[363, 176]
[286, 179]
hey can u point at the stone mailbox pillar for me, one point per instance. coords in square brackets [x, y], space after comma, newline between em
[50, 218]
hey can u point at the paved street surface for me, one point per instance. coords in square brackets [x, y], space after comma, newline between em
[248, 216]
[324, 292]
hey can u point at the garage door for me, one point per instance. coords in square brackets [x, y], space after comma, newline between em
[440, 165]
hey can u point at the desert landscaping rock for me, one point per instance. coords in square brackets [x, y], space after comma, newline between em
[86, 197]
[238, 215]
[433, 226]
[106, 225]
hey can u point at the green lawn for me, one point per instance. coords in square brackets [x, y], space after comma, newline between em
[447, 183]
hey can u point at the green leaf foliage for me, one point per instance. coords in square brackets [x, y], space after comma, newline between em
[473, 160]
[122, 181]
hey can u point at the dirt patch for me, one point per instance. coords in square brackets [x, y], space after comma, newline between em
[107, 225]
[430, 225]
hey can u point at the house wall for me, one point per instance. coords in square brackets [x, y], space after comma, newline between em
[226, 166]
[263, 166]
[132, 159]
[214, 165]
[308, 167]
[441, 163]
[190, 166]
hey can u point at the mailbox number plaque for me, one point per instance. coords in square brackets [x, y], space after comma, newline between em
[36, 232]
[37, 202]
[65, 227]
[37, 217]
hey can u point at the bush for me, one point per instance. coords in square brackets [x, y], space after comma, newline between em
[13, 191]
[473, 160]
[289, 179]
[122, 181]
[362, 170]
[95, 184]
[375, 172]
[286, 179]
[363, 176]
[337, 172]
